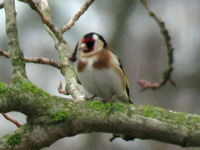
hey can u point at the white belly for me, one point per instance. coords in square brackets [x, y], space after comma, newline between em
[104, 83]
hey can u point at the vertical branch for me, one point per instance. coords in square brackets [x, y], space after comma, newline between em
[15, 53]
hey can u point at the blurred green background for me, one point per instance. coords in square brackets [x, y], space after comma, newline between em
[135, 38]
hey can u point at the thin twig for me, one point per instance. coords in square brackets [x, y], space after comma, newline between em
[37, 60]
[73, 58]
[1, 5]
[3, 53]
[43, 18]
[12, 120]
[42, 60]
[77, 16]
[167, 73]
[60, 89]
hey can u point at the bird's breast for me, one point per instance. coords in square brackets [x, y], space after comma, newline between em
[100, 81]
[85, 64]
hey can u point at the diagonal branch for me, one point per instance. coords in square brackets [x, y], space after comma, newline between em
[44, 19]
[37, 60]
[73, 57]
[16, 54]
[3, 53]
[167, 73]
[11, 120]
[77, 16]
[61, 45]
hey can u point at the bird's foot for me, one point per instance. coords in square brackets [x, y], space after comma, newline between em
[91, 98]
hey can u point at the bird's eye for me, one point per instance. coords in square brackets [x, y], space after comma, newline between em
[90, 45]
[89, 42]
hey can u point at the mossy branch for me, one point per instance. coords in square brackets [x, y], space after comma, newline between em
[15, 53]
[50, 118]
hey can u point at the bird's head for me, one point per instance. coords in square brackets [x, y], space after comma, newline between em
[92, 42]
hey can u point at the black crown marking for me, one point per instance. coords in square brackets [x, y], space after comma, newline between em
[90, 35]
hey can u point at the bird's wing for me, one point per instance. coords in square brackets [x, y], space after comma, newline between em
[121, 70]
[125, 77]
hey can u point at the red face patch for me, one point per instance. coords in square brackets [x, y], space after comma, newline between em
[90, 44]
[87, 40]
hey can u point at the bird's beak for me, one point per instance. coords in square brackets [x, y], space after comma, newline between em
[83, 47]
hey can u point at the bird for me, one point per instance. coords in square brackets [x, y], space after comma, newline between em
[100, 71]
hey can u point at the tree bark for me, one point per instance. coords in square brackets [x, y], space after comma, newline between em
[50, 118]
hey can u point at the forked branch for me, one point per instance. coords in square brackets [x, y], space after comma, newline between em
[77, 16]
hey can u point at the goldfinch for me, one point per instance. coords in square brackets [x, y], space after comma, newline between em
[100, 71]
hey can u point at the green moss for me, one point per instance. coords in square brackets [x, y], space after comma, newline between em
[14, 139]
[97, 105]
[29, 87]
[106, 107]
[168, 116]
[149, 113]
[3, 87]
[60, 115]
[179, 118]
[194, 120]
[118, 107]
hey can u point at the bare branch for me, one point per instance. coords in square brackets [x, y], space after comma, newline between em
[77, 16]
[42, 60]
[44, 19]
[3, 53]
[37, 60]
[167, 73]
[12, 120]
[1, 5]
[61, 45]
[60, 89]
[73, 58]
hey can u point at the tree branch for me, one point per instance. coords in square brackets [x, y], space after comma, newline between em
[64, 53]
[73, 57]
[167, 73]
[37, 60]
[11, 120]
[16, 54]
[77, 16]
[42, 60]
[51, 118]
[43, 17]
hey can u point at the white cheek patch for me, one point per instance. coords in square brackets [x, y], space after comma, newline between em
[98, 45]
[95, 37]
[83, 45]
